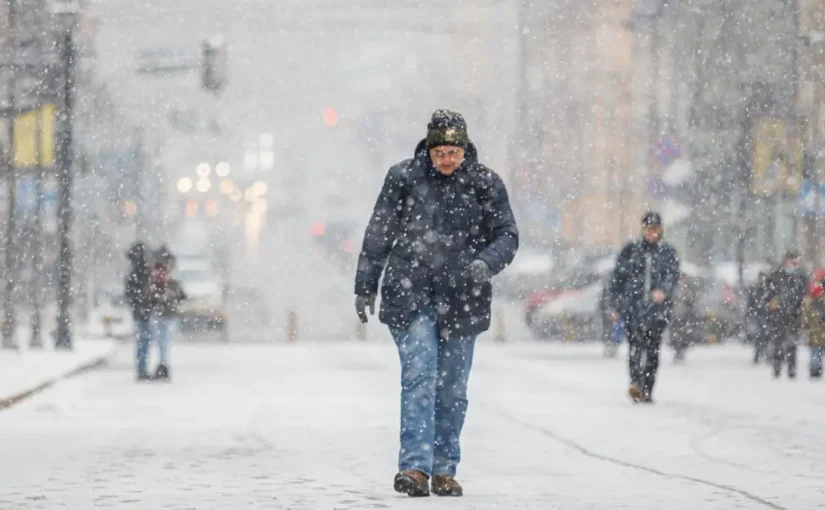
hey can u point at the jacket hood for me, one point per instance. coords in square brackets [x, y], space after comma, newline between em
[136, 253]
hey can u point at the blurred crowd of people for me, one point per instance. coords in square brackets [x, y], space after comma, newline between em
[784, 309]
[154, 297]
[649, 294]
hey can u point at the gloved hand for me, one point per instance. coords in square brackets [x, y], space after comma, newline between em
[361, 305]
[479, 271]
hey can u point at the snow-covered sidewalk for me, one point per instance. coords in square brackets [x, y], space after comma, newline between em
[315, 426]
[24, 371]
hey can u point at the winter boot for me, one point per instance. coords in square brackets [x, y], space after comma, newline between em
[141, 377]
[162, 373]
[635, 392]
[446, 485]
[412, 483]
[647, 400]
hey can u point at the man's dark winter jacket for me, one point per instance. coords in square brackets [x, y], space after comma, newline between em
[431, 227]
[630, 292]
[788, 288]
[137, 283]
[757, 301]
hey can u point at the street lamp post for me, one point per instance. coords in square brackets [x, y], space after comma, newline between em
[66, 12]
[36, 339]
[9, 327]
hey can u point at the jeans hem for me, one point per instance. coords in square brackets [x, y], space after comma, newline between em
[403, 467]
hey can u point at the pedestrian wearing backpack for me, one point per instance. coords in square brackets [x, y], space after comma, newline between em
[444, 227]
[813, 323]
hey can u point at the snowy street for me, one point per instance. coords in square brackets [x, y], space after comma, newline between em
[315, 427]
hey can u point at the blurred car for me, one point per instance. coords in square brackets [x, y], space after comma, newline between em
[531, 270]
[719, 309]
[205, 291]
[569, 306]
[572, 314]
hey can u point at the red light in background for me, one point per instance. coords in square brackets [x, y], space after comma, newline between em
[330, 117]
[318, 229]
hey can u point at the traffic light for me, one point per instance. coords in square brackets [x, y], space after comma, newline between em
[215, 64]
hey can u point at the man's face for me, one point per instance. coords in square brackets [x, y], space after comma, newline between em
[653, 233]
[447, 158]
[792, 263]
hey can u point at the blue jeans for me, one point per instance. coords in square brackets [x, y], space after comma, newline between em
[143, 332]
[434, 376]
[816, 359]
[161, 332]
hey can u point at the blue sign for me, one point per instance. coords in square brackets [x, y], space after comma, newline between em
[808, 197]
[27, 195]
[665, 150]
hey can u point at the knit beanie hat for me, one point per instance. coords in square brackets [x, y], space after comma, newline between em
[447, 127]
[651, 219]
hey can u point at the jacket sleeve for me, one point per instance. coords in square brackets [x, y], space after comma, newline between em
[180, 295]
[671, 277]
[382, 231]
[132, 290]
[500, 224]
[807, 317]
[621, 273]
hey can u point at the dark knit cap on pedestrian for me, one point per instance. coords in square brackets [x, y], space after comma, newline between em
[652, 219]
[447, 127]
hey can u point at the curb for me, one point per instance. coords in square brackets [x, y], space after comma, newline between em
[98, 362]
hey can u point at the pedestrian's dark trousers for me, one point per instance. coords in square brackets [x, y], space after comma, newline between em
[143, 333]
[681, 330]
[643, 357]
[784, 349]
[762, 338]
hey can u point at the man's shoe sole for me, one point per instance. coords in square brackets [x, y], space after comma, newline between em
[406, 485]
[453, 493]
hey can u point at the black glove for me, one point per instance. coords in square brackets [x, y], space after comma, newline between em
[361, 304]
[479, 271]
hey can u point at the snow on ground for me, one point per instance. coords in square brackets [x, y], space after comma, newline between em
[24, 369]
[314, 426]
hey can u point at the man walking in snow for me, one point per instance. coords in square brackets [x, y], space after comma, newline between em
[444, 227]
[137, 295]
[759, 328]
[787, 288]
[642, 288]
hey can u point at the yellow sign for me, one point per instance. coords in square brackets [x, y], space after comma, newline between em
[777, 158]
[34, 138]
